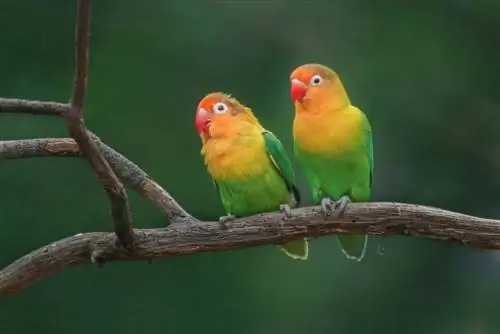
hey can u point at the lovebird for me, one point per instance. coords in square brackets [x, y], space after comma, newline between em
[248, 164]
[333, 146]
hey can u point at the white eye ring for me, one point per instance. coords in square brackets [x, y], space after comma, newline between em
[220, 108]
[316, 80]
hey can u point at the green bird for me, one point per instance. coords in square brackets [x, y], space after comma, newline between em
[333, 145]
[247, 163]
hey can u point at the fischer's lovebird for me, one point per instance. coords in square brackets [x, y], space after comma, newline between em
[248, 164]
[333, 145]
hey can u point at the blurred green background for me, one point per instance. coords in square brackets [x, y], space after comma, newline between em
[427, 75]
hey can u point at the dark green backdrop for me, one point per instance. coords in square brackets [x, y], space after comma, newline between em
[425, 73]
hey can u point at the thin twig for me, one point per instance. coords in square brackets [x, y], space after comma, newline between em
[360, 218]
[33, 107]
[82, 32]
[120, 211]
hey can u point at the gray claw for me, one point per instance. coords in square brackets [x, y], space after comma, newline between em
[286, 211]
[326, 206]
[340, 206]
[225, 221]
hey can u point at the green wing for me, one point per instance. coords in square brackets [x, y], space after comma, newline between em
[282, 162]
[296, 249]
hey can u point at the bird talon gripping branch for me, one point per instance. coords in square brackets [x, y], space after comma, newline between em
[340, 206]
[326, 206]
[286, 212]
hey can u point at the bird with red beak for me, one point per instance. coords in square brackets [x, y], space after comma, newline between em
[333, 145]
[247, 163]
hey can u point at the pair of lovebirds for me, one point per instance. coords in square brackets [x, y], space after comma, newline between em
[253, 173]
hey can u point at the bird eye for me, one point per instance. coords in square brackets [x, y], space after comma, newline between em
[220, 108]
[316, 80]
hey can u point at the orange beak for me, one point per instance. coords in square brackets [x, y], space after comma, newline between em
[202, 120]
[298, 90]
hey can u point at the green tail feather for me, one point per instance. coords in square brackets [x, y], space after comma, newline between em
[353, 247]
[297, 249]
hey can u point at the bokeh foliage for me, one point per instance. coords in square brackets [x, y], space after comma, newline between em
[425, 73]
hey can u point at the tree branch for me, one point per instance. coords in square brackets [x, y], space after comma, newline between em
[33, 107]
[360, 218]
[187, 235]
[120, 211]
[128, 172]
[82, 32]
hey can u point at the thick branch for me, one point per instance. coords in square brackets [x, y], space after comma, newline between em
[128, 172]
[360, 218]
[120, 211]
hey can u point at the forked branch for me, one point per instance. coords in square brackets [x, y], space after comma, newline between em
[120, 211]
[127, 171]
[187, 235]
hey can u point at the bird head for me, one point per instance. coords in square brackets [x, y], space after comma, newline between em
[313, 84]
[219, 112]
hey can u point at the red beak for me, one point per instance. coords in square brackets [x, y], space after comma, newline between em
[298, 90]
[202, 120]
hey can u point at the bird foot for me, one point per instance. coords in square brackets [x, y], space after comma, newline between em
[340, 206]
[226, 221]
[326, 206]
[286, 211]
[335, 209]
